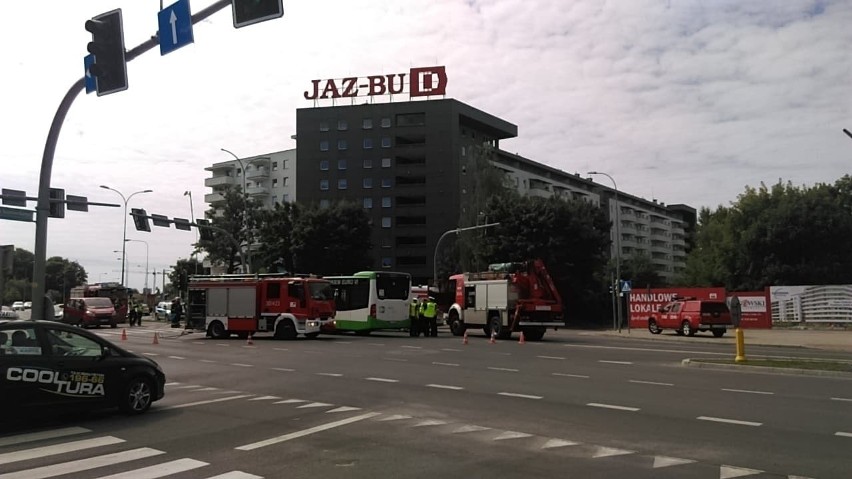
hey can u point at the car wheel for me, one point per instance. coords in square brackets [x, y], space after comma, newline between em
[687, 329]
[718, 333]
[534, 334]
[653, 328]
[137, 396]
[217, 330]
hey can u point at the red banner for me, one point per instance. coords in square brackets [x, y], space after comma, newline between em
[645, 301]
[755, 306]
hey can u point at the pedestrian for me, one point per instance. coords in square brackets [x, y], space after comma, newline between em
[177, 312]
[413, 319]
[430, 314]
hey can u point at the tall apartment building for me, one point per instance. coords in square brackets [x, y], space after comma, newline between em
[269, 178]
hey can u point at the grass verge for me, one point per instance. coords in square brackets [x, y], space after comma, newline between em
[793, 363]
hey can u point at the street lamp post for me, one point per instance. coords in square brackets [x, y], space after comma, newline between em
[245, 208]
[146, 258]
[124, 234]
[617, 286]
[438, 243]
[192, 217]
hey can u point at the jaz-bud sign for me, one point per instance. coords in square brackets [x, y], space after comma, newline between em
[426, 81]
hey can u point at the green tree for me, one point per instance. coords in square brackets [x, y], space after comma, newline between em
[334, 240]
[275, 236]
[61, 275]
[180, 273]
[233, 219]
[641, 271]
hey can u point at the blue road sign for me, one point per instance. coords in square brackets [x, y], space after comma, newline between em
[175, 26]
[626, 285]
[91, 81]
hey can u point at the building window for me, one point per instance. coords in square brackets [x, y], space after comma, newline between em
[411, 119]
[342, 184]
[323, 185]
[386, 122]
[283, 164]
[239, 172]
[324, 145]
[274, 199]
[386, 222]
[342, 145]
[323, 126]
[386, 162]
[367, 124]
[275, 182]
[386, 243]
[464, 151]
[324, 165]
[341, 164]
[368, 203]
[342, 125]
[274, 166]
[387, 182]
[284, 180]
[368, 143]
[387, 262]
[285, 198]
[386, 202]
[368, 163]
[368, 182]
[386, 142]
[324, 204]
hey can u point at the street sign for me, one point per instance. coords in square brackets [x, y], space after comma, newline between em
[14, 197]
[15, 214]
[182, 224]
[77, 203]
[175, 26]
[161, 220]
[91, 83]
[626, 286]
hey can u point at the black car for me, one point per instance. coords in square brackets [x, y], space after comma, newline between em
[45, 364]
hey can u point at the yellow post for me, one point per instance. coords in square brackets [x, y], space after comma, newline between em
[740, 346]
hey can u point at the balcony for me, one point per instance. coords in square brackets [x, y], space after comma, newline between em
[539, 193]
[257, 191]
[260, 160]
[218, 181]
[260, 173]
[213, 197]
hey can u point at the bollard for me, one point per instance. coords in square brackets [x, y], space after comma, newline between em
[740, 346]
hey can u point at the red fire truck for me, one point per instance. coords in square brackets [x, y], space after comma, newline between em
[508, 297]
[112, 290]
[245, 304]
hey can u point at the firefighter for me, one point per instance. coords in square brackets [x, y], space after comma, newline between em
[430, 317]
[413, 318]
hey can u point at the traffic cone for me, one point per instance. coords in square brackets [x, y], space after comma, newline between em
[123, 334]
[249, 342]
[156, 338]
[493, 338]
[522, 340]
[464, 341]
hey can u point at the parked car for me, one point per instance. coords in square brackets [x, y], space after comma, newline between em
[46, 365]
[28, 304]
[8, 313]
[18, 306]
[87, 312]
[689, 315]
[163, 310]
[58, 311]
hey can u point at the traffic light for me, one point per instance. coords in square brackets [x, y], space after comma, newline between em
[107, 45]
[140, 219]
[204, 230]
[57, 203]
[247, 12]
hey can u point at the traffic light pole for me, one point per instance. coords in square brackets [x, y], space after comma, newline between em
[43, 205]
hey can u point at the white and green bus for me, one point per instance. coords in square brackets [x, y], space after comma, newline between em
[371, 300]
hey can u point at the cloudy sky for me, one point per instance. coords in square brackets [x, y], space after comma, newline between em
[682, 101]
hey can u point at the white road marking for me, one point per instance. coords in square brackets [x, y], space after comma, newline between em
[242, 365]
[729, 421]
[610, 451]
[150, 354]
[221, 344]
[503, 369]
[747, 391]
[159, 470]
[39, 436]
[383, 380]
[343, 342]
[344, 409]
[334, 375]
[445, 364]
[551, 357]
[207, 361]
[614, 362]
[664, 461]
[727, 472]
[280, 349]
[511, 435]
[396, 359]
[841, 399]
[82, 464]
[451, 349]
[613, 406]
[412, 347]
[206, 389]
[284, 370]
[176, 357]
[844, 434]
[444, 386]
[290, 401]
[470, 428]
[395, 417]
[551, 443]
[430, 422]
[236, 475]
[199, 342]
[172, 383]
[314, 404]
[376, 344]
[305, 432]
[63, 448]
[566, 375]
[264, 398]
[652, 383]
[190, 386]
[209, 401]
[523, 396]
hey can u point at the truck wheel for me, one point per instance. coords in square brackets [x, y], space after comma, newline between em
[285, 330]
[217, 330]
[534, 334]
[718, 333]
[653, 328]
[456, 325]
[687, 329]
[498, 329]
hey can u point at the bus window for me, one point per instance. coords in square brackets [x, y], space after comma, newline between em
[393, 286]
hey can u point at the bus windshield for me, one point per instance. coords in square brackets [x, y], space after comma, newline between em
[351, 293]
[320, 290]
[393, 286]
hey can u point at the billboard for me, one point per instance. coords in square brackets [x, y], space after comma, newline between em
[811, 304]
[755, 308]
[645, 301]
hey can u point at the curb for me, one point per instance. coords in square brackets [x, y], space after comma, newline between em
[698, 363]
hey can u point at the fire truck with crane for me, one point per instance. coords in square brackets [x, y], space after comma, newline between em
[246, 304]
[509, 297]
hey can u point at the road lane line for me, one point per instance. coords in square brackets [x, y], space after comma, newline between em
[333, 375]
[159, 470]
[242, 365]
[412, 347]
[566, 375]
[559, 358]
[236, 475]
[264, 398]
[844, 434]
[222, 344]
[841, 399]
[552, 443]
[445, 364]
[284, 370]
[280, 349]
[172, 383]
[314, 404]
[613, 406]
[83, 464]
[399, 360]
[376, 344]
[209, 361]
[206, 389]
[291, 401]
[39, 436]
[652, 383]
[511, 435]
[383, 380]
[451, 349]
[729, 421]
[150, 354]
[728, 472]
[503, 369]
[614, 362]
[602, 451]
[523, 396]
[190, 386]
[747, 391]
[444, 386]
[305, 432]
[176, 357]
[209, 401]
[666, 461]
[63, 448]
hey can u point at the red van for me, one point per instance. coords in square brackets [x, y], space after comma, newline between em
[87, 312]
[686, 316]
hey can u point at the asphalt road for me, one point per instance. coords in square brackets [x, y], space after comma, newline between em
[388, 405]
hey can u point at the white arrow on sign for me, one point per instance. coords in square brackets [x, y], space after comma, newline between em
[172, 20]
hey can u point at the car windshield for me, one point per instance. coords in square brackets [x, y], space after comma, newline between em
[98, 302]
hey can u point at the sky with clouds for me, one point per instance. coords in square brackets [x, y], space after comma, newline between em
[682, 101]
